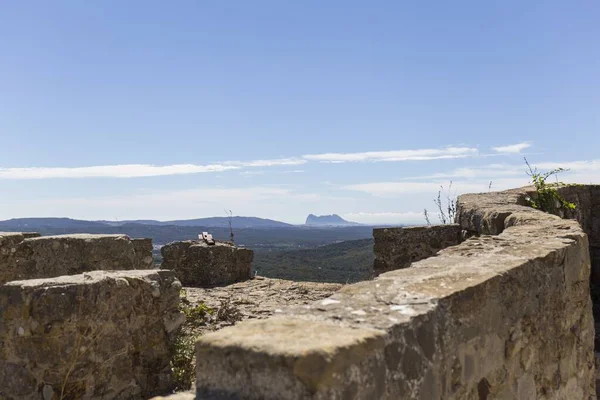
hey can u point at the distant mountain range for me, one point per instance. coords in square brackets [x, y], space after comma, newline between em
[25, 224]
[312, 220]
[328, 220]
[263, 235]
[213, 222]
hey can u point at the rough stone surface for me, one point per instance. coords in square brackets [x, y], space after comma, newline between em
[98, 335]
[587, 213]
[27, 256]
[143, 253]
[257, 298]
[197, 264]
[495, 317]
[28, 235]
[397, 248]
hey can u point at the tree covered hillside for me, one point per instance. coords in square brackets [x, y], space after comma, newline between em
[345, 262]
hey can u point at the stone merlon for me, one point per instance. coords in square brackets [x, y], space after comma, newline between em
[397, 248]
[30, 256]
[98, 335]
[198, 264]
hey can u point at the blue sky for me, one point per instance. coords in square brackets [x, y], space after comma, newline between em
[279, 109]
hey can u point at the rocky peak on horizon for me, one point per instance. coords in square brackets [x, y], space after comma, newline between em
[327, 220]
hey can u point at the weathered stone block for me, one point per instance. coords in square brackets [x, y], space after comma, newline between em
[587, 212]
[199, 264]
[397, 248]
[99, 335]
[143, 253]
[24, 256]
[316, 359]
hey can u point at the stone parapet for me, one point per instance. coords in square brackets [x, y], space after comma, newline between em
[98, 335]
[504, 315]
[198, 264]
[587, 213]
[26, 256]
[397, 248]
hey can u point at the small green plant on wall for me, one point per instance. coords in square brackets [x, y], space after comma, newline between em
[546, 197]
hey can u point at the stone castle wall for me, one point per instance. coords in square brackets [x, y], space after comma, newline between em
[198, 264]
[503, 315]
[98, 335]
[29, 256]
[397, 248]
[587, 213]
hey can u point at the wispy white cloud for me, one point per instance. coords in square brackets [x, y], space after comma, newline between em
[395, 155]
[268, 163]
[252, 173]
[138, 170]
[512, 148]
[110, 171]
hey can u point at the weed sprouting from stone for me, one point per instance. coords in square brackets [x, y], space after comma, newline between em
[230, 220]
[183, 346]
[546, 197]
[426, 215]
[445, 202]
[182, 362]
[228, 312]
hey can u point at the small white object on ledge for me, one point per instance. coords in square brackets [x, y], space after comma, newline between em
[207, 237]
